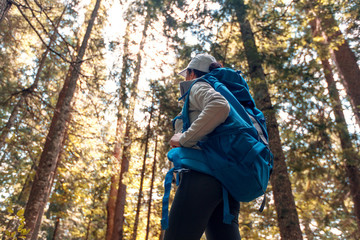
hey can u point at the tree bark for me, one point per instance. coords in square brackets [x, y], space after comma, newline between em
[46, 169]
[350, 157]
[52, 179]
[111, 205]
[56, 229]
[11, 120]
[344, 59]
[284, 200]
[5, 6]
[121, 195]
[151, 189]
[42, 207]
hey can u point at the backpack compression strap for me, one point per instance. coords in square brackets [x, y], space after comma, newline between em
[258, 129]
[165, 202]
[227, 217]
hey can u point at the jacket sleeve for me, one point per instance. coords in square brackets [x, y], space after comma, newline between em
[214, 109]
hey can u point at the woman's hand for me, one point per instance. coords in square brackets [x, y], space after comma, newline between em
[174, 141]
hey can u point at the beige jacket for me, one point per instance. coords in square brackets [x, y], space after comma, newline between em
[207, 110]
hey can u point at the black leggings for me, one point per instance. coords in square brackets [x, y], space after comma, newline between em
[198, 207]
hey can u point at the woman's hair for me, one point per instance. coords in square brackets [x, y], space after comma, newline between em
[214, 65]
[198, 73]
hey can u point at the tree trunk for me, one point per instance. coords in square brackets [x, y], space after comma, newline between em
[5, 6]
[284, 200]
[111, 205]
[151, 188]
[27, 186]
[11, 120]
[138, 206]
[350, 157]
[52, 179]
[344, 59]
[42, 207]
[121, 195]
[49, 156]
[56, 229]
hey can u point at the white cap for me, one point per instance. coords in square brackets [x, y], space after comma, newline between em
[200, 62]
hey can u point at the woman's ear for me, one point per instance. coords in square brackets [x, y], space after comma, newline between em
[190, 75]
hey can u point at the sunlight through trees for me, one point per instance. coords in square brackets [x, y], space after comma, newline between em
[88, 90]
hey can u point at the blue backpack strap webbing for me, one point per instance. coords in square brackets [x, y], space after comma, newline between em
[165, 202]
[174, 120]
[185, 113]
[227, 217]
[221, 88]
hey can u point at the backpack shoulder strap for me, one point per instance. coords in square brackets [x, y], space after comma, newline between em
[226, 93]
[185, 113]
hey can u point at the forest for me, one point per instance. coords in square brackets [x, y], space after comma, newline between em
[89, 88]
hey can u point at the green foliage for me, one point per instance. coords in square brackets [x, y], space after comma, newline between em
[16, 222]
[177, 30]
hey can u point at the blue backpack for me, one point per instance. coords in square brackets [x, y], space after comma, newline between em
[236, 153]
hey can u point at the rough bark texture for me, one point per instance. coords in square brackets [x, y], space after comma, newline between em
[53, 143]
[42, 207]
[110, 207]
[52, 179]
[284, 200]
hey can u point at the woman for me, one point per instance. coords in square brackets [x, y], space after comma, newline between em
[198, 204]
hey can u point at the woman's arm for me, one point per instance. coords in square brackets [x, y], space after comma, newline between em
[214, 111]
